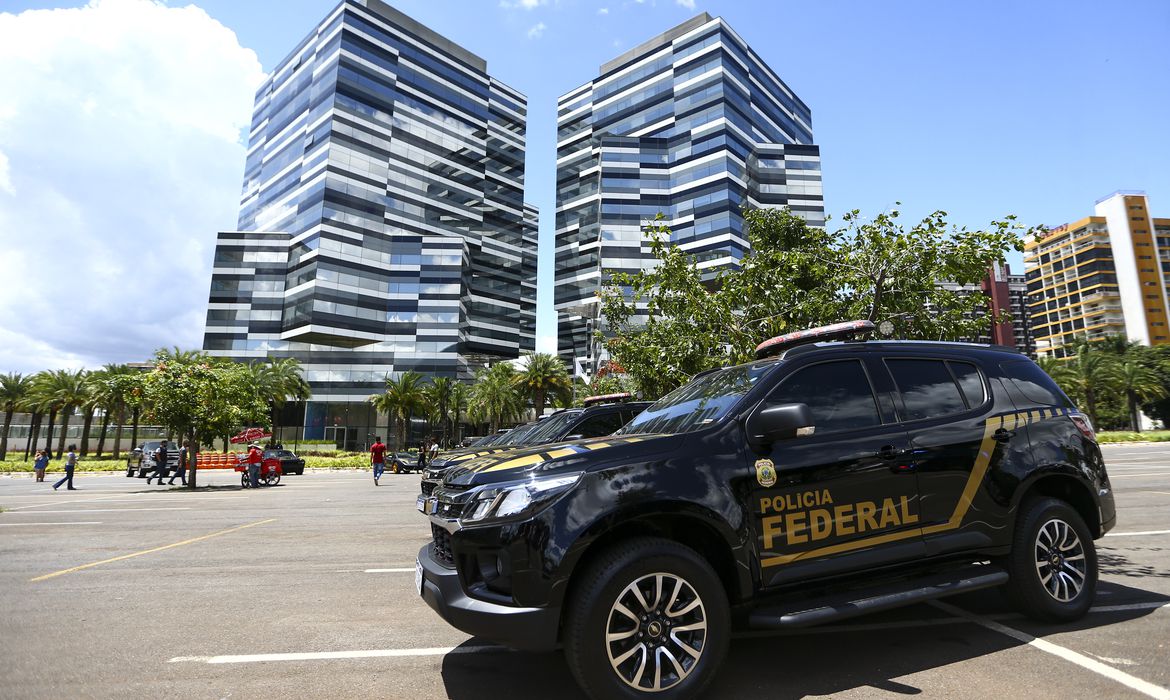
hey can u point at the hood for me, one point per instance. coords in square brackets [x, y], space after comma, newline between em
[581, 454]
[454, 457]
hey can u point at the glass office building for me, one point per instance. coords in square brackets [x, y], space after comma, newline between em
[691, 124]
[382, 222]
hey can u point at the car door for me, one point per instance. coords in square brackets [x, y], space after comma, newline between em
[947, 406]
[844, 498]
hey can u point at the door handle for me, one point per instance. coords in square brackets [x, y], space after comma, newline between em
[889, 452]
[1003, 435]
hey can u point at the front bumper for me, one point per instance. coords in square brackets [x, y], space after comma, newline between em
[528, 629]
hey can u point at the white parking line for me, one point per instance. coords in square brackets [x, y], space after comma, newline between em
[89, 522]
[94, 510]
[1137, 534]
[329, 655]
[403, 570]
[1125, 476]
[1143, 687]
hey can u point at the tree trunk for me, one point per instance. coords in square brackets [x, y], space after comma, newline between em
[102, 434]
[538, 399]
[134, 428]
[34, 433]
[49, 437]
[65, 415]
[86, 424]
[118, 432]
[192, 459]
[4, 435]
[1134, 422]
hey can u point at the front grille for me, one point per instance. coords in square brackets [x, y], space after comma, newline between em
[428, 487]
[442, 547]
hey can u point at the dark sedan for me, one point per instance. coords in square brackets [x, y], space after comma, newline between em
[289, 462]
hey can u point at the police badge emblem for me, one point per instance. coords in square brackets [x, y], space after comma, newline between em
[765, 472]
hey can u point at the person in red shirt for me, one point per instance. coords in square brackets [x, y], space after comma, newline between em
[255, 458]
[378, 458]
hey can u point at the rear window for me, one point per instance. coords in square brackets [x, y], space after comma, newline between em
[928, 389]
[1034, 384]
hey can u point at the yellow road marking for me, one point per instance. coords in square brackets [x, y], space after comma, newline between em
[150, 551]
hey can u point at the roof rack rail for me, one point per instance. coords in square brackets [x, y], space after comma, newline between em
[605, 398]
[836, 331]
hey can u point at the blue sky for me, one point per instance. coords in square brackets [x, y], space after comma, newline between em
[980, 109]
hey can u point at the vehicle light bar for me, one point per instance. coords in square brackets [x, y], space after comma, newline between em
[605, 398]
[836, 331]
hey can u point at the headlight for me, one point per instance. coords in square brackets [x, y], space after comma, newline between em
[517, 497]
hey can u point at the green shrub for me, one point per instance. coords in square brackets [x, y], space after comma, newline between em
[1113, 436]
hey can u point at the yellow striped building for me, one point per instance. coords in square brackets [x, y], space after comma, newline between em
[1101, 275]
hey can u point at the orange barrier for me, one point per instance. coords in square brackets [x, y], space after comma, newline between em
[216, 460]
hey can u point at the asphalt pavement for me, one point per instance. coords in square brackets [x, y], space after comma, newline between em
[306, 590]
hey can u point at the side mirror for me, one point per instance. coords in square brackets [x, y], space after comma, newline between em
[772, 422]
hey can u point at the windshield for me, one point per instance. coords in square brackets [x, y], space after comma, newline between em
[551, 428]
[698, 404]
[516, 437]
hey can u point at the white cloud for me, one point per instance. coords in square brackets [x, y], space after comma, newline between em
[689, 4]
[603, 10]
[536, 31]
[120, 137]
[522, 4]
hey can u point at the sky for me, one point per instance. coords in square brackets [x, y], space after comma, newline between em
[123, 128]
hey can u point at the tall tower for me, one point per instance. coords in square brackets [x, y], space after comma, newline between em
[382, 222]
[691, 124]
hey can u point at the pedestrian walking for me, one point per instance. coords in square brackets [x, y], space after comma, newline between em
[433, 450]
[255, 459]
[70, 465]
[378, 458]
[160, 463]
[40, 464]
[422, 455]
[181, 468]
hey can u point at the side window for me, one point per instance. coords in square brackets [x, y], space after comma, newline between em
[970, 383]
[597, 426]
[1034, 384]
[927, 387]
[838, 393]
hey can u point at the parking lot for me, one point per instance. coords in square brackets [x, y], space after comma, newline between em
[306, 589]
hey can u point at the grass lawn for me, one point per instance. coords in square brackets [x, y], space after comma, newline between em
[1130, 436]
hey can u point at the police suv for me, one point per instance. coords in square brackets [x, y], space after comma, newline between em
[822, 481]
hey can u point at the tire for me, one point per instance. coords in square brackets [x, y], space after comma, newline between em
[1053, 562]
[245, 482]
[622, 580]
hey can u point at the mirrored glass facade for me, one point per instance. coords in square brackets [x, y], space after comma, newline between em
[691, 124]
[382, 223]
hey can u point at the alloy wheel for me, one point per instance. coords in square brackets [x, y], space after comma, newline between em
[1060, 560]
[656, 632]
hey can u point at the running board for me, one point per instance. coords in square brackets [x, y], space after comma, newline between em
[831, 608]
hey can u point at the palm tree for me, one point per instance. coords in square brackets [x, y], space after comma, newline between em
[494, 397]
[439, 396]
[67, 391]
[14, 390]
[402, 399]
[460, 396]
[89, 405]
[1140, 384]
[278, 381]
[1092, 373]
[45, 401]
[543, 376]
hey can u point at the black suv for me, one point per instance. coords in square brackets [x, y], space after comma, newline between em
[601, 415]
[827, 480]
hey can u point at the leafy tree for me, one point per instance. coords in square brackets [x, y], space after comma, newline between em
[14, 391]
[59, 392]
[544, 375]
[112, 386]
[668, 323]
[403, 398]
[201, 398]
[494, 398]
